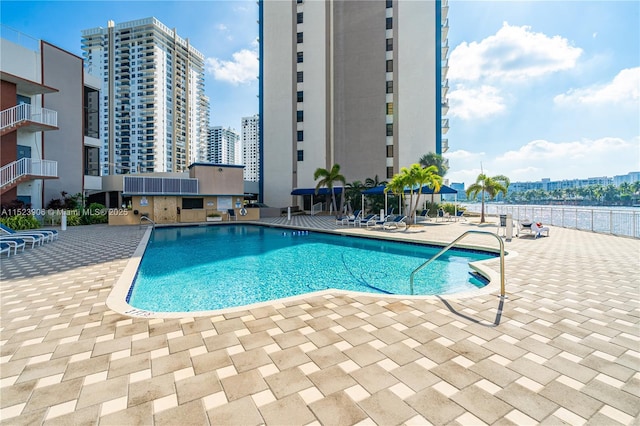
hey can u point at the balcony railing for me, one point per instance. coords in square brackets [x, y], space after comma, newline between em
[159, 185]
[27, 167]
[25, 112]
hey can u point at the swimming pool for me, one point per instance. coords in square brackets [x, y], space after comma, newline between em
[189, 269]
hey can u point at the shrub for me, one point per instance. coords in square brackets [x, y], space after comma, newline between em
[20, 222]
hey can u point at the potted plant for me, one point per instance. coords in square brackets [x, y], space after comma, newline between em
[214, 217]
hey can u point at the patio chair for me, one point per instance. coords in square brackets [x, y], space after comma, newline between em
[5, 248]
[442, 215]
[11, 244]
[537, 229]
[43, 234]
[395, 223]
[16, 242]
[27, 236]
[423, 214]
[356, 216]
[232, 214]
[524, 227]
[365, 219]
[460, 215]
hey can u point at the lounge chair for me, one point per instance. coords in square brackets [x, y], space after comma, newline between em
[539, 230]
[27, 236]
[395, 223]
[232, 214]
[16, 242]
[342, 220]
[13, 244]
[460, 215]
[5, 248]
[443, 215]
[524, 227]
[46, 234]
[424, 214]
[356, 216]
[365, 219]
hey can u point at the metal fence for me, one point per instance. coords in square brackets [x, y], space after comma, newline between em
[620, 221]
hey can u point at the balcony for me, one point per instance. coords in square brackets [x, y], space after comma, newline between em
[445, 145]
[28, 118]
[26, 169]
[445, 125]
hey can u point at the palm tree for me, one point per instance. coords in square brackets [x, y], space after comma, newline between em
[492, 186]
[433, 159]
[354, 191]
[327, 178]
[414, 178]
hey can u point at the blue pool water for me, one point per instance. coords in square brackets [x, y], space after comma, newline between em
[205, 268]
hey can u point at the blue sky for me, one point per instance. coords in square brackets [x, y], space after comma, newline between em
[538, 89]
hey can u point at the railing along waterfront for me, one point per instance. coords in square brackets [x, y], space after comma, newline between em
[623, 221]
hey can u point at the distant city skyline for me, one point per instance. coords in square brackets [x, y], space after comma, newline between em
[537, 89]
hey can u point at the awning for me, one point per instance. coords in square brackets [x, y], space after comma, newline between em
[312, 191]
[444, 189]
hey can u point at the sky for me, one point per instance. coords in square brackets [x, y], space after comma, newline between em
[538, 89]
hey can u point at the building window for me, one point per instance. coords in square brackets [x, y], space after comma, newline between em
[389, 129]
[300, 57]
[389, 45]
[299, 76]
[390, 65]
[389, 108]
[300, 96]
[299, 1]
[91, 161]
[389, 23]
[299, 116]
[300, 18]
[91, 113]
[300, 37]
[389, 151]
[300, 135]
[389, 86]
[389, 4]
[389, 172]
[300, 155]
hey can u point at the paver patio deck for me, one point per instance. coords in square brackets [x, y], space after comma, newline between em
[564, 348]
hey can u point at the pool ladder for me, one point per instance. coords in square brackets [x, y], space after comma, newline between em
[441, 252]
[153, 224]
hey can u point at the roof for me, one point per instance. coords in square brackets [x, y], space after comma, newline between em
[312, 191]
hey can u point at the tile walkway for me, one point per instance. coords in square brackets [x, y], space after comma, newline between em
[563, 348]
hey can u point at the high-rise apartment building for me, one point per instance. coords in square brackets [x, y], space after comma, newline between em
[250, 148]
[361, 84]
[153, 107]
[49, 126]
[223, 146]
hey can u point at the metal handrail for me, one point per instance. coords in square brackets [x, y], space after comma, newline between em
[502, 291]
[153, 224]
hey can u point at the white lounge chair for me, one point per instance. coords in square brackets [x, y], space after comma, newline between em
[539, 230]
[395, 223]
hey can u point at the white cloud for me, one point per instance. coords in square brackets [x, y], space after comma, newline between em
[243, 68]
[222, 27]
[624, 88]
[539, 159]
[468, 103]
[513, 53]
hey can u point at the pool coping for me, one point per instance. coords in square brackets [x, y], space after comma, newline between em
[117, 298]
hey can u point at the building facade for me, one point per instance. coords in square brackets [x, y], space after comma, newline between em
[223, 146]
[361, 84]
[251, 148]
[50, 128]
[153, 108]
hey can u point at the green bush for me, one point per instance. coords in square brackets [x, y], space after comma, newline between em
[451, 208]
[74, 218]
[98, 213]
[20, 222]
